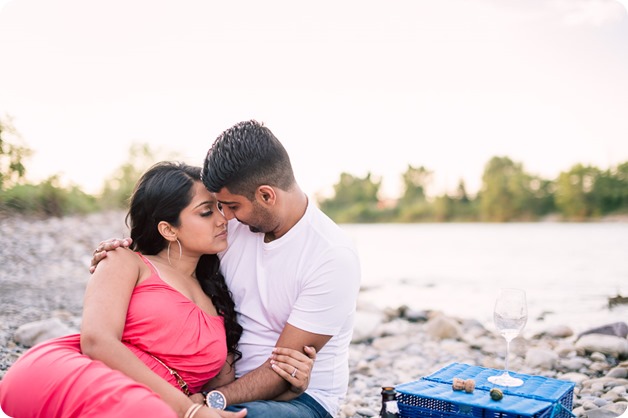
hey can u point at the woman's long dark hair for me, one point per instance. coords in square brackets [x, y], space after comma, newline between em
[160, 195]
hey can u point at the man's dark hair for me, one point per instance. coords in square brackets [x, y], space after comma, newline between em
[244, 157]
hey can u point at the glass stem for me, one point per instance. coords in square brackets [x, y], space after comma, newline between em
[507, 355]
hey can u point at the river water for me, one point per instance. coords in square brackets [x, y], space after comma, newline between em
[569, 270]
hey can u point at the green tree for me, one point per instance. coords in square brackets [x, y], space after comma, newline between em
[12, 156]
[506, 192]
[542, 202]
[413, 205]
[355, 199]
[118, 189]
[463, 208]
[574, 195]
[610, 191]
[461, 192]
[47, 198]
[621, 174]
[415, 181]
[444, 208]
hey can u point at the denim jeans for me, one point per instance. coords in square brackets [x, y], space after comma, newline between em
[302, 407]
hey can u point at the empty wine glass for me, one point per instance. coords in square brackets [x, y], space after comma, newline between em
[510, 316]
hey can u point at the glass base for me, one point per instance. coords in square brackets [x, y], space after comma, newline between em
[505, 380]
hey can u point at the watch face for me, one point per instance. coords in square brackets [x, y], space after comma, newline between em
[216, 400]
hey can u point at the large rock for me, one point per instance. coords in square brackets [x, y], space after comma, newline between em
[618, 329]
[613, 410]
[442, 327]
[577, 378]
[391, 343]
[618, 372]
[39, 331]
[365, 325]
[541, 358]
[556, 331]
[606, 344]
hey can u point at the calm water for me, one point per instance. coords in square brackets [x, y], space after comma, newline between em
[567, 269]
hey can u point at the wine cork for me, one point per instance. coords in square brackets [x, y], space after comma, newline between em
[469, 385]
[458, 384]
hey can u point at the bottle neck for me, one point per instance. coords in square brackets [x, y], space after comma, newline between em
[389, 403]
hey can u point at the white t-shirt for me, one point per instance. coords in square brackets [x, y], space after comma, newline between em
[310, 278]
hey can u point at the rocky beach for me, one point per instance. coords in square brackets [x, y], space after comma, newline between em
[44, 270]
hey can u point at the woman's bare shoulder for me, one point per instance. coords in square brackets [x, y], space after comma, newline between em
[121, 258]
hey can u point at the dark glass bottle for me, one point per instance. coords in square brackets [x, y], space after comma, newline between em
[389, 403]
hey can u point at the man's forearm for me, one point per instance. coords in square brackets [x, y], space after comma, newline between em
[260, 384]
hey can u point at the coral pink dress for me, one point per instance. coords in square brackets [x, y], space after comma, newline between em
[54, 379]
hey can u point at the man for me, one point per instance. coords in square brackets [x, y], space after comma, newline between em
[293, 273]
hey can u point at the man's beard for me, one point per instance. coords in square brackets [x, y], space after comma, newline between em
[263, 220]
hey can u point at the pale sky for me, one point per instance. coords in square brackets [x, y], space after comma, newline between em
[347, 86]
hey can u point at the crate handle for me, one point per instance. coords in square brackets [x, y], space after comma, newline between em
[558, 408]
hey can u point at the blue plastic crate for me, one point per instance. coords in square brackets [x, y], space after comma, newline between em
[433, 396]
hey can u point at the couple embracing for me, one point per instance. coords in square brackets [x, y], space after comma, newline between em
[237, 299]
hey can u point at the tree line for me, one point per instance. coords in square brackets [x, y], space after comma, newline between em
[507, 194]
[49, 197]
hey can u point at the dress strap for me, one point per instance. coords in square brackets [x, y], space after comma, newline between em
[150, 265]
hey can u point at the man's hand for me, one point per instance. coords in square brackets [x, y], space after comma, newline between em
[266, 383]
[101, 251]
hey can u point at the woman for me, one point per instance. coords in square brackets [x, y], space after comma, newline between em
[158, 323]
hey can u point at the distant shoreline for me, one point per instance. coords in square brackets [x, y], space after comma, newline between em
[551, 218]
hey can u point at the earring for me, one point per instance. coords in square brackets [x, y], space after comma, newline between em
[180, 250]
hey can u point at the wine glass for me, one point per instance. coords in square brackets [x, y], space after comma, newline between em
[510, 316]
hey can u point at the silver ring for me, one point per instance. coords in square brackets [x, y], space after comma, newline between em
[294, 373]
